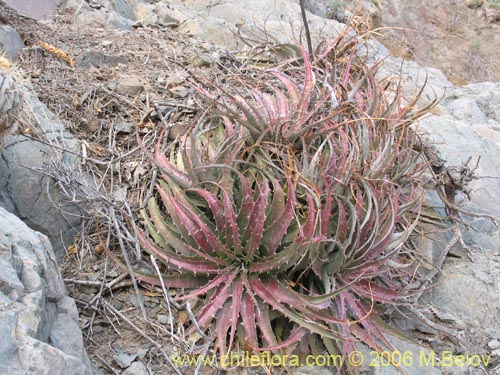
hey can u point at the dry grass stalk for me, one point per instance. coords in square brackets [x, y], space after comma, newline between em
[63, 55]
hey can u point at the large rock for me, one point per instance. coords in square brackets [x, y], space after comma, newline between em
[26, 189]
[114, 13]
[39, 332]
[37, 9]
[228, 23]
[10, 42]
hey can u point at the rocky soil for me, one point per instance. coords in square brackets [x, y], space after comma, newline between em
[115, 65]
[458, 37]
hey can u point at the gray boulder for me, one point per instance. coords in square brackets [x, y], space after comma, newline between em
[227, 23]
[36, 9]
[25, 190]
[39, 332]
[10, 42]
[114, 13]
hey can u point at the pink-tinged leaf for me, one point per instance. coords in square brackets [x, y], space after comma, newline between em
[348, 70]
[277, 205]
[284, 294]
[216, 281]
[248, 321]
[255, 228]
[168, 234]
[247, 203]
[364, 316]
[181, 281]
[215, 206]
[220, 296]
[326, 214]
[274, 233]
[231, 225]
[264, 324]
[181, 178]
[209, 237]
[236, 306]
[166, 238]
[384, 240]
[282, 108]
[295, 336]
[196, 228]
[165, 195]
[360, 209]
[223, 321]
[306, 94]
[291, 87]
[265, 101]
[192, 228]
[203, 92]
[309, 228]
[178, 261]
[278, 261]
[301, 319]
[368, 289]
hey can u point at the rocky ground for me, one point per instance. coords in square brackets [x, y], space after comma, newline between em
[105, 67]
[457, 37]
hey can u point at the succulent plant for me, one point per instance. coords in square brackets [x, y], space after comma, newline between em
[288, 206]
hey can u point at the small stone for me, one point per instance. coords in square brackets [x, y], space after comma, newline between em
[137, 368]
[97, 329]
[113, 273]
[130, 86]
[99, 60]
[163, 319]
[112, 85]
[179, 91]
[36, 9]
[120, 194]
[176, 78]
[124, 360]
[141, 353]
[494, 344]
[202, 59]
[10, 42]
[118, 305]
[124, 127]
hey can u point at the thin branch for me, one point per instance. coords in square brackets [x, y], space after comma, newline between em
[306, 28]
[127, 261]
[165, 294]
